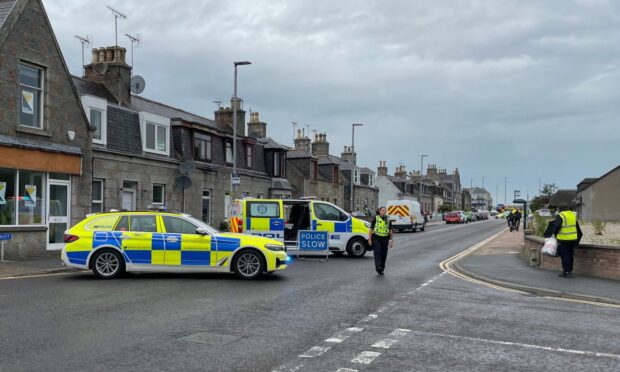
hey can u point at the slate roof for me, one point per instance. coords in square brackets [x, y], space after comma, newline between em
[479, 190]
[93, 89]
[299, 154]
[5, 10]
[39, 144]
[563, 198]
[270, 144]
[327, 160]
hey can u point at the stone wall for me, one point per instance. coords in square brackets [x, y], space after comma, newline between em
[591, 260]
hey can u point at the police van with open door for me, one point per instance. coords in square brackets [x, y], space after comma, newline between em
[284, 219]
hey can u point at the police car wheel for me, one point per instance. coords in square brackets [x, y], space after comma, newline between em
[248, 265]
[107, 264]
[356, 248]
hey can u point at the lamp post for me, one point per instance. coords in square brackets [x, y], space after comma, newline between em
[234, 172]
[421, 173]
[353, 159]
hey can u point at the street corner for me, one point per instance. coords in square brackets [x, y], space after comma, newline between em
[33, 267]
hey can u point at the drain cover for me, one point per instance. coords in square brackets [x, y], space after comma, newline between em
[210, 338]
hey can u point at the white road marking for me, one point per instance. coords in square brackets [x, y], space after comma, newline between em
[519, 344]
[369, 317]
[365, 357]
[384, 344]
[286, 368]
[336, 340]
[400, 332]
[355, 329]
[315, 351]
[346, 370]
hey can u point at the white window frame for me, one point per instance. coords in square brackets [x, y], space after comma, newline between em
[163, 194]
[248, 156]
[356, 176]
[157, 120]
[277, 164]
[99, 201]
[371, 179]
[232, 154]
[95, 103]
[41, 98]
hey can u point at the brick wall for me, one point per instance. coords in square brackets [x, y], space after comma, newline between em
[591, 260]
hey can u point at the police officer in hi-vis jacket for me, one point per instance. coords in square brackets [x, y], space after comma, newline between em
[380, 238]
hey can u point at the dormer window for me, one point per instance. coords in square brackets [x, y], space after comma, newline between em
[155, 132]
[96, 110]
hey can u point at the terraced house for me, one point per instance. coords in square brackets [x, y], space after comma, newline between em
[45, 150]
[151, 156]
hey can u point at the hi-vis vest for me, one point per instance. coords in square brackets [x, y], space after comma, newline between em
[569, 226]
[381, 227]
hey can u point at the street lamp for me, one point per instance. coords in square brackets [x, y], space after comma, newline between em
[421, 172]
[353, 159]
[234, 172]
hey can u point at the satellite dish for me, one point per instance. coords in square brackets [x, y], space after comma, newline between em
[187, 167]
[183, 182]
[101, 68]
[137, 84]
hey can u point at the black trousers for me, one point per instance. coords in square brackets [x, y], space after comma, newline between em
[566, 251]
[380, 246]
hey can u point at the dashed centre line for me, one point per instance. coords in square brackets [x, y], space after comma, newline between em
[315, 351]
[384, 344]
[365, 357]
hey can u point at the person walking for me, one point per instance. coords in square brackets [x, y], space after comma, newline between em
[380, 238]
[568, 234]
[517, 219]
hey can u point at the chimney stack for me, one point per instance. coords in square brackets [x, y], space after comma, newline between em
[256, 128]
[400, 172]
[108, 67]
[320, 146]
[302, 142]
[349, 155]
[382, 169]
[225, 116]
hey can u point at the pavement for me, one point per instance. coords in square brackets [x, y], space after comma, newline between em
[498, 262]
[335, 315]
[35, 266]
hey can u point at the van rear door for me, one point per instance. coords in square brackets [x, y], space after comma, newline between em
[264, 218]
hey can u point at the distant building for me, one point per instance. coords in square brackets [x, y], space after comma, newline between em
[597, 198]
[563, 199]
[481, 199]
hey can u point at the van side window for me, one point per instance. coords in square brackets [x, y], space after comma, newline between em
[328, 212]
[263, 209]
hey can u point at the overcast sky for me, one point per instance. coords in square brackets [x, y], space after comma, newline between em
[528, 90]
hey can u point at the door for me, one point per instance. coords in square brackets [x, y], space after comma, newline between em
[140, 240]
[58, 213]
[183, 245]
[129, 200]
[264, 218]
[327, 217]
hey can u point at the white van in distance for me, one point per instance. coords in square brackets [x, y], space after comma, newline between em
[405, 215]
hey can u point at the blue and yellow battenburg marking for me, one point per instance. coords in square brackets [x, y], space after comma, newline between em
[336, 227]
[162, 249]
[264, 224]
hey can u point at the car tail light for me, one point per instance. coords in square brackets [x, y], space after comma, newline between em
[69, 238]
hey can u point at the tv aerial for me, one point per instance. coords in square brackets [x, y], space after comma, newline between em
[136, 40]
[117, 15]
[218, 104]
[86, 41]
[137, 84]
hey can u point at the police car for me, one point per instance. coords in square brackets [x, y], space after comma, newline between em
[112, 243]
[282, 220]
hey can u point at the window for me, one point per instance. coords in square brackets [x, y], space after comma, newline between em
[155, 133]
[276, 164]
[248, 156]
[159, 194]
[206, 206]
[31, 209]
[202, 147]
[97, 205]
[7, 196]
[123, 224]
[31, 96]
[96, 109]
[328, 212]
[227, 205]
[371, 179]
[103, 223]
[142, 224]
[229, 152]
[175, 225]
[356, 176]
[263, 209]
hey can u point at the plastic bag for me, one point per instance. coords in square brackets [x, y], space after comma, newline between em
[550, 248]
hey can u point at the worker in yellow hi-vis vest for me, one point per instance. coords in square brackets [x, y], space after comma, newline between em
[380, 238]
[568, 234]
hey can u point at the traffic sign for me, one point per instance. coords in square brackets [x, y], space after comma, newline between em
[236, 181]
[313, 241]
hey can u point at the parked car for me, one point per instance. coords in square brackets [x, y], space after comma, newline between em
[463, 216]
[452, 217]
[544, 213]
[471, 216]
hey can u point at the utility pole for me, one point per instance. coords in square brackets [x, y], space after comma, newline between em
[505, 185]
[353, 159]
[234, 172]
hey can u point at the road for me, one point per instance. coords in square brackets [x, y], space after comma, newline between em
[316, 316]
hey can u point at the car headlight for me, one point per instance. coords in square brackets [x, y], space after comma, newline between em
[275, 247]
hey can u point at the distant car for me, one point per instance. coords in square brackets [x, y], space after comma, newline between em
[471, 216]
[452, 217]
[544, 213]
[463, 216]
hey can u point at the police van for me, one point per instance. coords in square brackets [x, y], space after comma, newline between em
[282, 220]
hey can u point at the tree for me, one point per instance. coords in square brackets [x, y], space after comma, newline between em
[548, 190]
[545, 196]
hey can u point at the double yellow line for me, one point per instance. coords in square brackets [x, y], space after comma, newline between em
[446, 266]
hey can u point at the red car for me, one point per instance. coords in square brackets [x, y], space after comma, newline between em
[452, 217]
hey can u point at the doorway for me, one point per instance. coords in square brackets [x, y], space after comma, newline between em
[58, 213]
[128, 202]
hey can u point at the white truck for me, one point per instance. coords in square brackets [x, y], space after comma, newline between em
[405, 215]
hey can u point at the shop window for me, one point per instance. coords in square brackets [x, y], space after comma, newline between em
[7, 196]
[31, 210]
[31, 96]
[97, 204]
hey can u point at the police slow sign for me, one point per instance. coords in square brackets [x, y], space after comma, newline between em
[313, 241]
